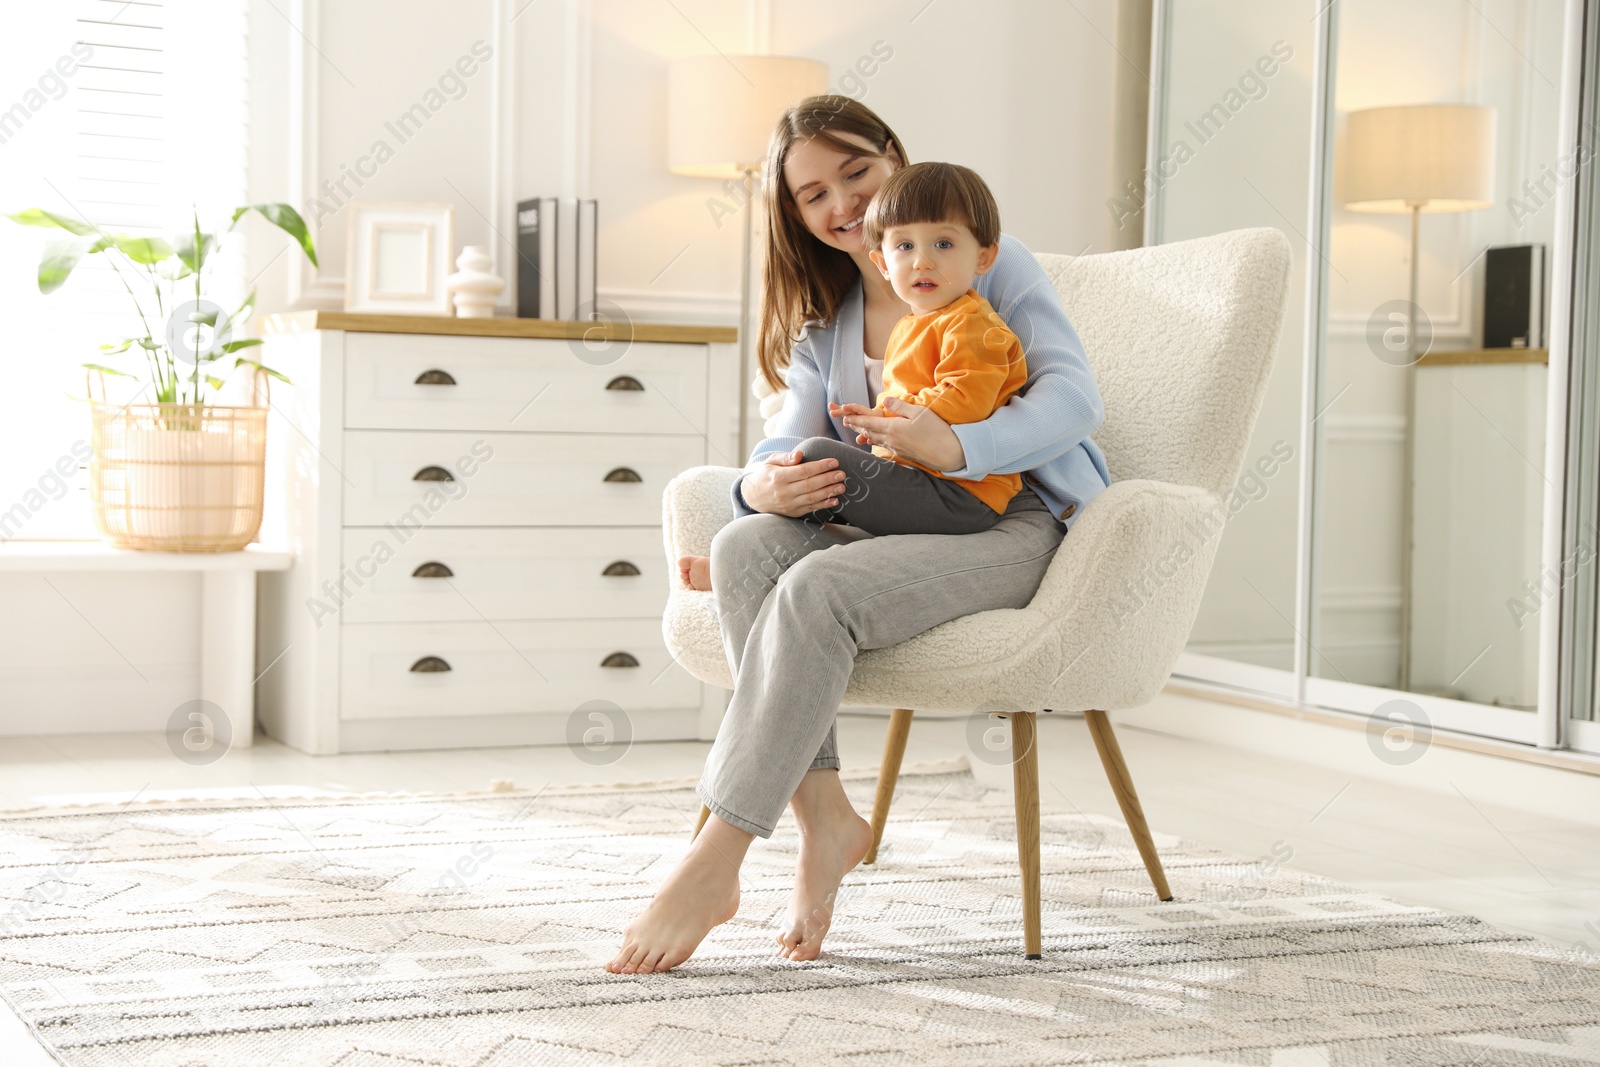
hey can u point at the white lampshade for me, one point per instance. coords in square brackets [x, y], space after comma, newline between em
[721, 109]
[1439, 157]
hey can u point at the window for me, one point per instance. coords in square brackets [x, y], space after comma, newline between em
[124, 113]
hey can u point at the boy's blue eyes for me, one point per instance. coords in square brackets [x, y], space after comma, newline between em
[943, 242]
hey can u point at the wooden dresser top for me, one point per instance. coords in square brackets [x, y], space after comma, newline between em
[673, 333]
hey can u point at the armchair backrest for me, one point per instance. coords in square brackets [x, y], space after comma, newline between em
[1181, 338]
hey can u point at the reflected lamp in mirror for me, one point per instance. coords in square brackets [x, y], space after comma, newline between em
[721, 111]
[1427, 157]
[1416, 159]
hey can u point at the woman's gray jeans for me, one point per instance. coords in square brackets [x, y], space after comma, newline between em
[797, 600]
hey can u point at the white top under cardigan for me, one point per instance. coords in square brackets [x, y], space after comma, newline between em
[1042, 430]
[874, 375]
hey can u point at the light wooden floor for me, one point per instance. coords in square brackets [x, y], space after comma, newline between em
[1519, 871]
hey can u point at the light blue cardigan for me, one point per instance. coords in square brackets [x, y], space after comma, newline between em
[1044, 429]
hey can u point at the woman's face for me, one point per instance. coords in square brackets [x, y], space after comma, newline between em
[831, 188]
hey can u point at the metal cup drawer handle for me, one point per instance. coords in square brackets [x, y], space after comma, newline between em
[429, 665]
[623, 474]
[435, 377]
[620, 569]
[626, 383]
[433, 569]
[433, 474]
[619, 659]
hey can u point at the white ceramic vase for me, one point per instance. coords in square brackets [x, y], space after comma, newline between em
[475, 285]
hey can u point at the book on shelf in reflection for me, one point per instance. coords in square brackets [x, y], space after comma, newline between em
[556, 270]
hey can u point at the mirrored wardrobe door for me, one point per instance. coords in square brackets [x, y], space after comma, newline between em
[1576, 569]
[1431, 426]
[1232, 150]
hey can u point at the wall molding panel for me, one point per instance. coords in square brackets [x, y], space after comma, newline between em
[1347, 429]
[311, 287]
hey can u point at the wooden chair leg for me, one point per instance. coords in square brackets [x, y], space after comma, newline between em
[705, 813]
[894, 751]
[1122, 785]
[1025, 778]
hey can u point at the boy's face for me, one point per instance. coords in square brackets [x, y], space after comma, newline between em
[931, 263]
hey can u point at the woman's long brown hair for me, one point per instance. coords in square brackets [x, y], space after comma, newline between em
[804, 279]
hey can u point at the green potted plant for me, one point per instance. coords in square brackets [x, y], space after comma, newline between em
[181, 473]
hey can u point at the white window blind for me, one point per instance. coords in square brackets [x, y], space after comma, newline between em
[124, 113]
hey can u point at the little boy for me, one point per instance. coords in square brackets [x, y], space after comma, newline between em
[932, 228]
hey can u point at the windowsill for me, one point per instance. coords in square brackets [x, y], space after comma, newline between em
[45, 556]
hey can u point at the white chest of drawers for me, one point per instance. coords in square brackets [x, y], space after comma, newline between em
[474, 507]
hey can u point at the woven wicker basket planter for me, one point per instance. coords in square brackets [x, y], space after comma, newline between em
[178, 477]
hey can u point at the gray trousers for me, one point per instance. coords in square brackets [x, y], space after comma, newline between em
[797, 599]
[885, 497]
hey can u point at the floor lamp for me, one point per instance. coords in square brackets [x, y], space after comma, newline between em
[1417, 159]
[721, 110]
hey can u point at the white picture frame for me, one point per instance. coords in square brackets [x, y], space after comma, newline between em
[398, 255]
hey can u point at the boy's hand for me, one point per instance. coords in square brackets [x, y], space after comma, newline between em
[847, 411]
[909, 431]
[841, 410]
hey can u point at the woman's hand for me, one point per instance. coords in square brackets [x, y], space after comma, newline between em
[786, 484]
[908, 431]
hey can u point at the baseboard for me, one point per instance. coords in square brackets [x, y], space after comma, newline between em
[1564, 759]
[1553, 784]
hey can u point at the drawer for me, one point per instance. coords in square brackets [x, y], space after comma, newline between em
[443, 575]
[404, 382]
[510, 479]
[506, 668]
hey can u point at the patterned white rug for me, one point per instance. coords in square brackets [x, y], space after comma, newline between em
[469, 929]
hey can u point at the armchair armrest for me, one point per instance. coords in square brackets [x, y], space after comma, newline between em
[1126, 586]
[694, 506]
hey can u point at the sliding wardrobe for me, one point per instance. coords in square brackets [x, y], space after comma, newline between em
[1414, 534]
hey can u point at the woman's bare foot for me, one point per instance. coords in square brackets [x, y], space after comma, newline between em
[836, 841]
[695, 572]
[701, 892]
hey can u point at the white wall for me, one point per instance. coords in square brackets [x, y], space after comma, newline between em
[585, 84]
[573, 103]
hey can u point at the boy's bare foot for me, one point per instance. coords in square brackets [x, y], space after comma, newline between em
[826, 854]
[695, 572]
[701, 892]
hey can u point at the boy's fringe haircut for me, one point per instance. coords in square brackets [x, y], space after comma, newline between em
[933, 192]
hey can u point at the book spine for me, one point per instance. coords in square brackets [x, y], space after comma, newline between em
[558, 308]
[587, 308]
[567, 255]
[527, 263]
[547, 259]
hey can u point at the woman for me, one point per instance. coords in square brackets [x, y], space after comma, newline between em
[797, 600]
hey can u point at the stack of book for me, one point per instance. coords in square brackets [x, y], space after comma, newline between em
[556, 258]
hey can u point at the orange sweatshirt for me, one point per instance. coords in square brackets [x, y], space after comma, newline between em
[960, 362]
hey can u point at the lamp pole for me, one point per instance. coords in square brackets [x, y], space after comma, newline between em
[1410, 451]
[744, 312]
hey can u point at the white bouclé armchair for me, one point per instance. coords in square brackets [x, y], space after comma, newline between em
[1181, 338]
